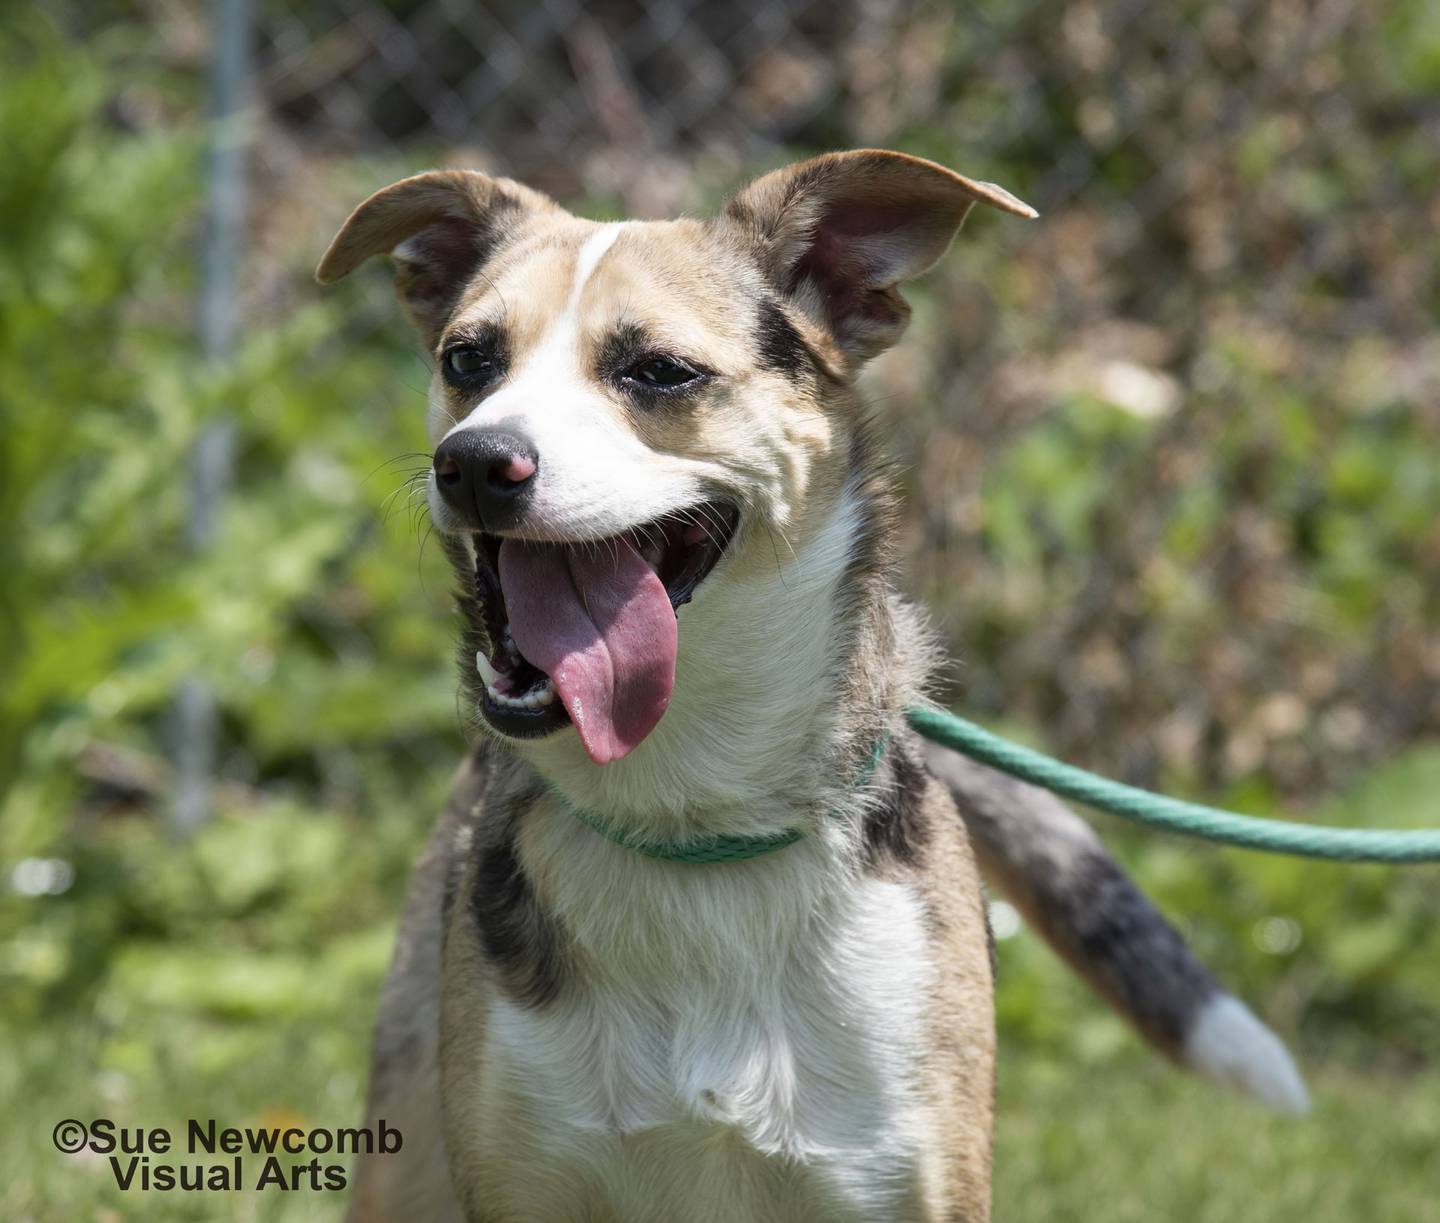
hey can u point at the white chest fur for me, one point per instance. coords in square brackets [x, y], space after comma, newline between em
[758, 1036]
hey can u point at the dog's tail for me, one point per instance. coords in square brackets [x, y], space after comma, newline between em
[1051, 865]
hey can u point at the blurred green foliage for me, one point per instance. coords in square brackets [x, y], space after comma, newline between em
[309, 615]
[234, 975]
[325, 641]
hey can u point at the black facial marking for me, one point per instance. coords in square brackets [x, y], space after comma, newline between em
[517, 934]
[779, 344]
[472, 359]
[895, 830]
[621, 349]
[646, 372]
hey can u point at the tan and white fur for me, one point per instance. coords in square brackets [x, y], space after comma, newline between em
[572, 1030]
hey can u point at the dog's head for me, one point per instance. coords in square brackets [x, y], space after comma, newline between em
[628, 416]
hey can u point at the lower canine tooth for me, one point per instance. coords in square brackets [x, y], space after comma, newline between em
[487, 672]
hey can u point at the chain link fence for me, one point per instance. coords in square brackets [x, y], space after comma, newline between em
[1171, 450]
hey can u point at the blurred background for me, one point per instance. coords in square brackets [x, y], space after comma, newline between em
[1171, 459]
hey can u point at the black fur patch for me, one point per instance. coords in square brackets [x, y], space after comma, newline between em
[895, 831]
[621, 348]
[779, 344]
[488, 339]
[630, 344]
[516, 933]
[1138, 958]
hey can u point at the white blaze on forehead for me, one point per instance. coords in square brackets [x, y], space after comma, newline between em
[556, 351]
[591, 252]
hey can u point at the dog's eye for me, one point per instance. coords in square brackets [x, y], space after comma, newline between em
[469, 364]
[660, 372]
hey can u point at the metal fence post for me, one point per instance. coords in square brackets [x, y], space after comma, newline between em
[196, 719]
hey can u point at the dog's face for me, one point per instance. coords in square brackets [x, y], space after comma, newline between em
[629, 416]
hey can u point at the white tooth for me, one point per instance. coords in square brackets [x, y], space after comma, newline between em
[487, 672]
[537, 698]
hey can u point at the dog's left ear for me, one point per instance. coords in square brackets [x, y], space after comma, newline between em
[840, 233]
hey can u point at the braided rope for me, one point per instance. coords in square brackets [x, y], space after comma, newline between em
[1172, 814]
[1156, 810]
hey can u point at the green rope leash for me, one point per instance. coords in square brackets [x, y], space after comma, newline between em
[1171, 814]
[1156, 810]
[714, 848]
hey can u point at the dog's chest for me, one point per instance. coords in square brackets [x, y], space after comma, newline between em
[770, 1050]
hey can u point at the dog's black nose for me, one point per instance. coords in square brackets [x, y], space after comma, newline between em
[486, 476]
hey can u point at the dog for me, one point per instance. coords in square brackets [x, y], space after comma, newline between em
[700, 934]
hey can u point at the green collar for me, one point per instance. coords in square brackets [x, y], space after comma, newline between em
[715, 848]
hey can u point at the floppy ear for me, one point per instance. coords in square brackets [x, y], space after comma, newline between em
[439, 227]
[840, 233]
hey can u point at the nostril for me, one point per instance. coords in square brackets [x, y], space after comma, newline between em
[520, 468]
[485, 476]
[447, 470]
[506, 476]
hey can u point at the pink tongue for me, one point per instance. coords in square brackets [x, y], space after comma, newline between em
[597, 620]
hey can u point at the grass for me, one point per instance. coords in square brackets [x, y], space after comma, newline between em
[258, 1013]
[1132, 1142]
[234, 977]
[1138, 1143]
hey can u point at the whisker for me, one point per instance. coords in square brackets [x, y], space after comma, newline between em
[712, 519]
[410, 485]
[494, 288]
[399, 458]
[420, 560]
[688, 517]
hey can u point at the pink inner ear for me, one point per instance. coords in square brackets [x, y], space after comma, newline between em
[857, 248]
[441, 252]
[854, 219]
[433, 267]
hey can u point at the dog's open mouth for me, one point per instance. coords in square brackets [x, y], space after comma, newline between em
[585, 633]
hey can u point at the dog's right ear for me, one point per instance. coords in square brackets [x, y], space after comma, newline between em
[439, 227]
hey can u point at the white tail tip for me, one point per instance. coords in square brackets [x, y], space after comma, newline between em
[1228, 1044]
